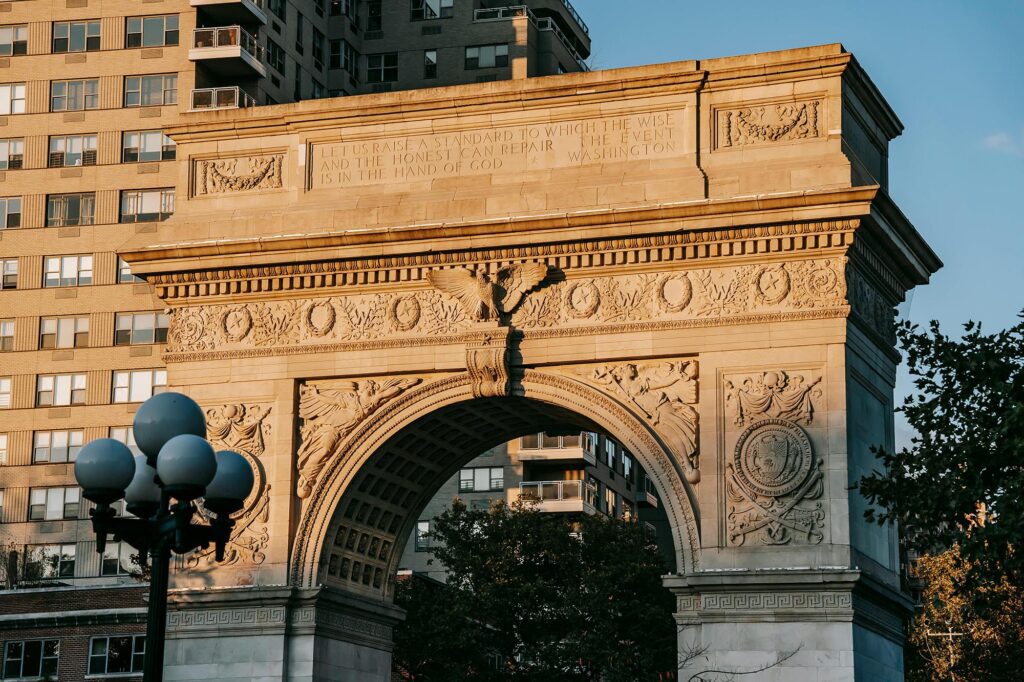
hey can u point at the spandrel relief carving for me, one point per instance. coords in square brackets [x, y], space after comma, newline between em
[520, 296]
[329, 414]
[773, 483]
[245, 429]
[665, 394]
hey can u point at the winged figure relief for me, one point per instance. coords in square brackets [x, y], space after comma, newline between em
[665, 394]
[483, 298]
[329, 415]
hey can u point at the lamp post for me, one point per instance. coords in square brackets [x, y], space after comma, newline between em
[161, 488]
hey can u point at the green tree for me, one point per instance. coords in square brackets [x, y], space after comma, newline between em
[967, 457]
[534, 596]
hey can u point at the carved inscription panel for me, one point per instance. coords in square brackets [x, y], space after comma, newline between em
[498, 150]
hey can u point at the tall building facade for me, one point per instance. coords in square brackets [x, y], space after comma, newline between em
[574, 473]
[87, 90]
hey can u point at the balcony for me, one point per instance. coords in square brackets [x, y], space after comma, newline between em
[544, 24]
[206, 99]
[575, 453]
[229, 50]
[558, 496]
[233, 11]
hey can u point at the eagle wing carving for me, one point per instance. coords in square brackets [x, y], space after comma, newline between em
[462, 284]
[517, 280]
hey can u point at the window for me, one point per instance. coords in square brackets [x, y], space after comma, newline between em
[374, 15]
[10, 273]
[139, 385]
[75, 95]
[318, 49]
[63, 210]
[343, 8]
[12, 153]
[610, 498]
[12, 98]
[430, 64]
[152, 31]
[431, 9]
[1, 503]
[10, 212]
[275, 56]
[343, 56]
[316, 90]
[300, 34]
[486, 56]
[318, 5]
[481, 479]
[150, 91]
[279, 8]
[76, 36]
[146, 205]
[609, 453]
[124, 434]
[6, 335]
[52, 504]
[50, 447]
[31, 658]
[297, 93]
[139, 328]
[124, 273]
[627, 467]
[147, 145]
[3, 449]
[72, 150]
[63, 332]
[117, 559]
[382, 68]
[13, 40]
[120, 654]
[549, 441]
[5, 394]
[422, 538]
[49, 561]
[60, 389]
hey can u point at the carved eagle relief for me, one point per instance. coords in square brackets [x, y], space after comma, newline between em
[483, 298]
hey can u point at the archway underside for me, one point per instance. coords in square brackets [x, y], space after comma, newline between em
[378, 510]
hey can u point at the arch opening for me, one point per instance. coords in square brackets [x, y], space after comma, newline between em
[367, 504]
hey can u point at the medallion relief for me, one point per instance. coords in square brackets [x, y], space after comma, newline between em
[773, 479]
[665, 394]
[329, 414]
[245, 429]
[241, 174]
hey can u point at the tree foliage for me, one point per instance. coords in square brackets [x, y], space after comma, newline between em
[534, 596]
[968, 452]
[951, 639]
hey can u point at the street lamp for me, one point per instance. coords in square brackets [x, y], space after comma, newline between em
[180, 464]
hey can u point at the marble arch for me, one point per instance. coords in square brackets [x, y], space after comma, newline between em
[704, 261]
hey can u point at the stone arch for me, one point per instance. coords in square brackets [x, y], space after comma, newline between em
[383, 450]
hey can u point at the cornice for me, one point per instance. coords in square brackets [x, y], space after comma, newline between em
[518, 234]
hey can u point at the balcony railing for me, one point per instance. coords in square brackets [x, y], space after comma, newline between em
[227, 36]
[221, 98]
[559, 491]
[576, 16]
[542, 24]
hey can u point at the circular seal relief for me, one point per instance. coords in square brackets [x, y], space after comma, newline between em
[773, 458]
[772, 284]
[675, 292]
[404, 312]
[582, 300]
[320, 318]
[822, 281]
[237, 324]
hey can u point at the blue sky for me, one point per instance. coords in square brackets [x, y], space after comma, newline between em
[954, 73]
